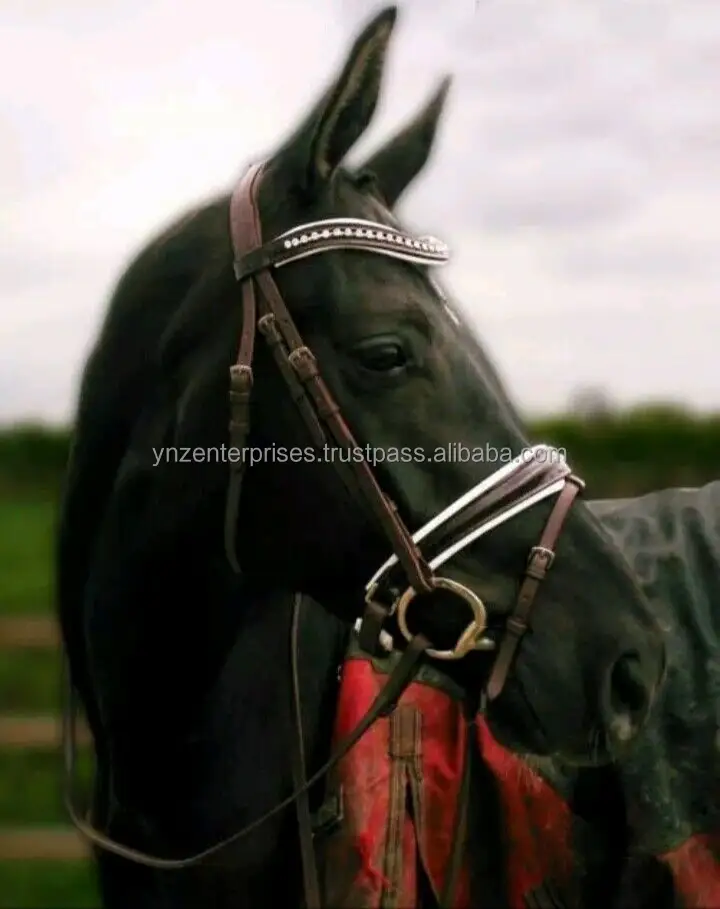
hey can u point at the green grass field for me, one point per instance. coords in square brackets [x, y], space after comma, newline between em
[50, 885]
[26, 532]
[30, 778]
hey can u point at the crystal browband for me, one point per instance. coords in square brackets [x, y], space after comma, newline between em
[342, 233]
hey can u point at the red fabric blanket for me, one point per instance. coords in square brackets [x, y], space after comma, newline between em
[398, 789]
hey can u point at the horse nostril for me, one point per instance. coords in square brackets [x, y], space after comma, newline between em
[627, 698]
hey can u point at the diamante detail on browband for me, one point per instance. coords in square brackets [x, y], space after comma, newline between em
[426, 244]
[341, 233]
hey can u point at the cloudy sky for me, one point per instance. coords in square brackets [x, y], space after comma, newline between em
[577, 177]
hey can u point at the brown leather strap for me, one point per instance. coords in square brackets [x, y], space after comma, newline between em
[539, 563]
[457, 851]
[311, 884]
[324, 410]
[401, 676]
[274, 340]
[417, 570]
[519, 485]
[244, 229]
[528, 479]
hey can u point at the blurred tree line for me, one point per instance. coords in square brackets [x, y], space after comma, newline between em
[618, 452]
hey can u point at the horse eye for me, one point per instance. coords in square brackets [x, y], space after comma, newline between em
[381, 355]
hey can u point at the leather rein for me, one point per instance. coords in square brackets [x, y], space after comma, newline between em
[411, 570]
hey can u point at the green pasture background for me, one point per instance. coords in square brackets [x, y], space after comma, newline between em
[618, 454]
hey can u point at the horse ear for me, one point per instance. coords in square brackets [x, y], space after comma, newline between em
[401, 159]
[345, 111]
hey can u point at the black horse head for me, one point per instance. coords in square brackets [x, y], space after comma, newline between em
[410, 379]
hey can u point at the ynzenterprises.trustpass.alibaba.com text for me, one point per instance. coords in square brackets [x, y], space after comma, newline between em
[278, 454]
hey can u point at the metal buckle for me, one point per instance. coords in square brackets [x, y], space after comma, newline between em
[370, 597]
[470, 639]
[548, 554]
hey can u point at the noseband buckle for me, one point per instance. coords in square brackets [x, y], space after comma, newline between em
[539, 562]
[472, 638]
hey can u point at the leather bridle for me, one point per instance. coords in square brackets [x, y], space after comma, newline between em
[411, 571]
[507, 492]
